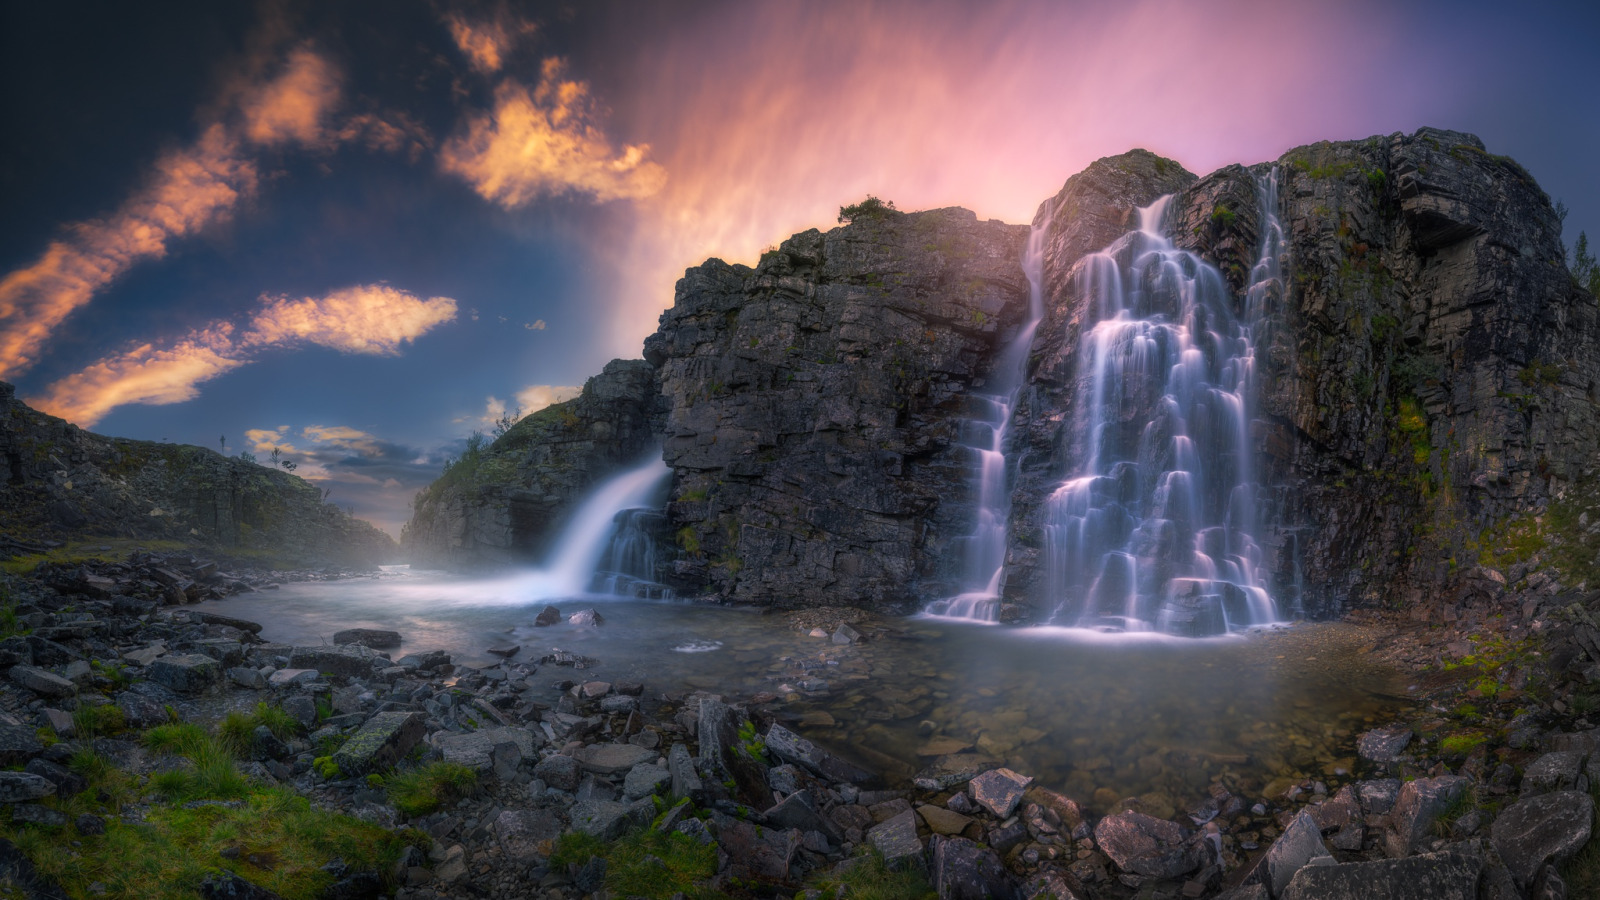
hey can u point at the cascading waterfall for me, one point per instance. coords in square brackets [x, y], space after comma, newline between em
[1156, 528]
[571, 564]
[628, 567]
[985, 549]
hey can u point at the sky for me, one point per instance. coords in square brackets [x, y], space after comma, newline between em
[355, 232]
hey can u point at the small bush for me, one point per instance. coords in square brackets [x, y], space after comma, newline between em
[237, 731]
[91, 722]
[421, 791]
[870, 208]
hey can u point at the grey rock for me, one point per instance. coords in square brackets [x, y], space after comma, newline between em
[949, 771]
[18, 744]
[474, 748]
[526, 836]
[229, 886]
[897, 838]
[1300, 843]
[1555, 771]
[1420, 803]
[302, 709]
[1548, 828]
[376, 638]
[588, 617]
[34, 814]
[246, 677]
[962, 870]
[559, 772]
[41, 682]
[603, 819]
[1378, 796]
[999, 791]
[381, 742]
[645, 780]
[67, 782]
[1432, 876]
[504, 759]
[547, 617]
[140, 711]
[799, 811]
[685, 780]
[611, 759]
[265, 745]
[1144, 845]
[430, 659]
[17, 787]
[286, 677]
[189, 673]
[348, 660]
[1383, 746]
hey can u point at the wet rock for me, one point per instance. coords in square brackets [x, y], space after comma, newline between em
[897, 839]
[430, 659]
[611, 759]
[1420, 803]
[1378, 796]
[17, 787]
[1144, 845]
[547, 617]
[377, 639]
[943, 821]
[1433, 876]
[1548, 828]
[526, 836]
[645, 780]
[846, 635]
[560, 657]
[999, 791]
[18, 744]
[792, 748]
[559, 772]
[1556, 771]
[248, 678]
[962, 870]
[381, 742]
[286, 677]
[41, 682]
[1340, 819]
[603, 819]
[950, 771]
[586, 617]
[189, 673]
[1299, 844]
[1382, 747]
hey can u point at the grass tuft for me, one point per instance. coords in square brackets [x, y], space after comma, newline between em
[871, 878]
[423, 790]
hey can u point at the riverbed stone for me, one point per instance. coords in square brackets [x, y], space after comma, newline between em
[943, 821]
[1555, 771]
[1144, 845]
[475, 749]
[247, 677]
[645, 780]
[611, 759]
[1548, 828]
[558, 771]
[286, 677]
[1341, 821]
[42, 682]
[186, 673]
[950, 771]
[547, 617]
[381, 742]
[799, 811]
[18, 787]
[1418, 806]
[1433, 876]
[897, 838]
[999, 790]
[1299, 844]
[348, 660]
[376, 638]
[963, 870]
[1383, 746]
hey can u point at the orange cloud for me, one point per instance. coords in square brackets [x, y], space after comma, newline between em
[373, 319]
[486, 44]
[366, 319]
[188, 189]
[344, 438]
[545, 142]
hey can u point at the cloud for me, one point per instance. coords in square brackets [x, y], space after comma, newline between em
[535, 325]
[545, 142]
[186, 190]
[373, 319]
[343, 438]
[525, 402]
[486, 44]
[366, 319]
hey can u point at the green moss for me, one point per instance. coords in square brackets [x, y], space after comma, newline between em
[325, 767]
[646, 863]
[1223, 216]
[689, 540]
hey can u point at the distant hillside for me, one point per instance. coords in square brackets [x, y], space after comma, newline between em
[61, 483]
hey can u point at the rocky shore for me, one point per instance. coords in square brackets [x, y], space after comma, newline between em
[482, 788]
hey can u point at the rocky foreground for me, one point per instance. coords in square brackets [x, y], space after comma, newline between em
[632, 789]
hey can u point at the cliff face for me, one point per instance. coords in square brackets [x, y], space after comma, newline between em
[815, 406]
[61, 482]
[503, 504]
[1426, 379]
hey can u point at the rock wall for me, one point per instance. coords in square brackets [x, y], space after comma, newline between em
[63, 483]
[502, 505]
[815, 405]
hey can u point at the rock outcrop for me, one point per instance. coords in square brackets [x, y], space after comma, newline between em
[502, 504]
[816, 402]
[63, 483]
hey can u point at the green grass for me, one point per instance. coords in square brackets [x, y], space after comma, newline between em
[1582, 872]
[237, 731]
[213, 775]
[872, 879]
[77, 552]
[91, 722]
[421, 791]
[1461, 744]
[644, 863]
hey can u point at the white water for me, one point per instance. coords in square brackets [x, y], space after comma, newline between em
[985, 549]
[1155, 529]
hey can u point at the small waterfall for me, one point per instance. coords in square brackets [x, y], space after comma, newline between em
[1155, 530]
[570, 566]
[985, 549]
[628, 568]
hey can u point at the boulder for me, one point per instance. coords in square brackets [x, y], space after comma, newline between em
[1299, 844]
[755, 854]
[18, 787]
[611, 759]
[1431, 876]
[999, 791]
[526, 836]
[18, 744]
[67, 782]
[792, 748]
[286, 677]
[897, 839]
[1144, 845]
[943, 821]
[559, 772]
[348, 660]
[1557, 771]
[428, 659]
[1548, 828]
[505, 759]
[1382, 747]
[685, 780]
[799, 811]
[41, 682]
[475, 748]
[248, 678]
[645, 780]
[547, 617]
[187, 673]
[603, 819]
[962, 870]
[1419, 805]
[381, 742]
[376, 638]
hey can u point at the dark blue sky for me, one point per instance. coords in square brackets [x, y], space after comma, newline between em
[369, 219]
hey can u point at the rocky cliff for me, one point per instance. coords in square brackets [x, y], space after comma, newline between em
[1427, 409]
[64, 483]
[502, 503]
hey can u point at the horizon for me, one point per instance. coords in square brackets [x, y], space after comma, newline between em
[358, 242]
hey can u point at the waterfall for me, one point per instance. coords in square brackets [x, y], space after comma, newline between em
[1155, 529]
[570, 565]
[984, 556]
[628, 567]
